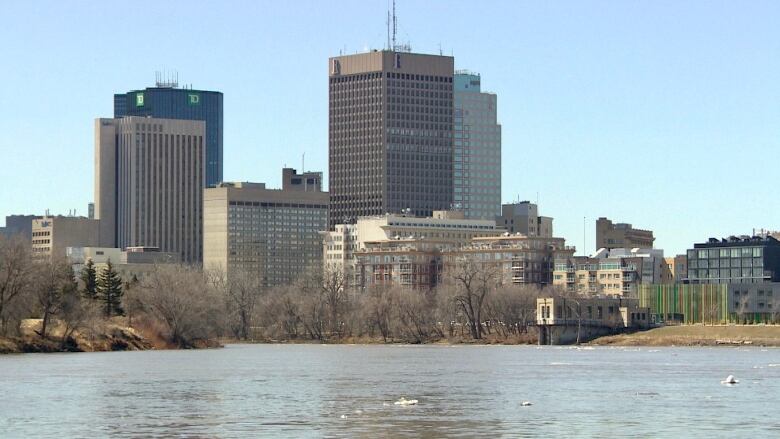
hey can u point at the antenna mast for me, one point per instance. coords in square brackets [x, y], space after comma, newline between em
[395, 25]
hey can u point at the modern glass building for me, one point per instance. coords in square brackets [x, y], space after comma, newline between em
[477, 149]
[167, 101]
[744, 260]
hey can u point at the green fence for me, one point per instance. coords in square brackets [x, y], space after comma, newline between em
[688, 303]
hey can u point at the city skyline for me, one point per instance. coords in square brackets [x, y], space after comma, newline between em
[633, 114]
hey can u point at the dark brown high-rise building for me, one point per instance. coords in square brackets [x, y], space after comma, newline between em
[390, 134]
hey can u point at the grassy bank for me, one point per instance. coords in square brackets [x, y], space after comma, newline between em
[698, 335]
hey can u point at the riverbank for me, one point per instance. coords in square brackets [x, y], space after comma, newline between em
[697, 335]
[107, 336]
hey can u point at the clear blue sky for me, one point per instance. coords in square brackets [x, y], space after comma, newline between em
[664, 114]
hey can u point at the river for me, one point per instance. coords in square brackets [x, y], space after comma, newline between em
[349, 391]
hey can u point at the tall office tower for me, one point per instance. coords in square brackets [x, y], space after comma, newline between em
[390, 134]
[167, 101]
[477, 147]
[149, 177]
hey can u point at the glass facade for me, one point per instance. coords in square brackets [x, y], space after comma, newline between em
[477, 149]
[175, 103]
[749, 260]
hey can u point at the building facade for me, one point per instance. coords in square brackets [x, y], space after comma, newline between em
[677, 269]
[19, 225]
[476, 148]
[149, 179]
[167, 101]
[736, 259]
[390, 134]
[621, 235]
[305, 181]
[616, 272]
[132, 263]
[52, 235]
[523, 218]
[273, 234]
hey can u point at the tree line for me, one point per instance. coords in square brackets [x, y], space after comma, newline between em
[185, 305]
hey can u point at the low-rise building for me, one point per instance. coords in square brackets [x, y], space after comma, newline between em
[736, 259]
[621, 235]
[52, 235]
[132, 263]
[565, 320]
[270, 233]
[616, 272]
[523, 217]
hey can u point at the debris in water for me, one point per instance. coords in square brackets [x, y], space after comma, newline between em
[526, 403]
[343, 416]
[730, 380]
[404, 401]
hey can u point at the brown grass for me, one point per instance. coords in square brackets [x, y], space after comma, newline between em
[698, 335]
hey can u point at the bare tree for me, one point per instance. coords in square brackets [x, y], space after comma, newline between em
[242, 291]
[54, 281]
[15, 275]
[470, 283]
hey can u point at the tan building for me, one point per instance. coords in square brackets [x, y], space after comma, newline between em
[271, 233]
[390, 134]
[522, 259]
[52, 235]
[565, 320]
[306, 181]
[676, 269]
[616, 272]
[133, 263]
[149, 179]
[621, 235]
[523, 218]
[443, 230]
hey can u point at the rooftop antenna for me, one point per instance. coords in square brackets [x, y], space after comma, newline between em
[388, 27]
[395, 25]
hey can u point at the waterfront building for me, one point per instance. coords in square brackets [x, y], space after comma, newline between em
[354, 246]
[132, 263]
[523, 260]
[713, 303]
[736, 259]
[621, 235]
[566, 320]
[167, 101]
[52, 235]
[616, 272]
[477, 148]
[273, 234]
[390, 134]
[149, 178]
[523, 218]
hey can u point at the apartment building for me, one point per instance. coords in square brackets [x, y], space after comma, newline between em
[621, 235]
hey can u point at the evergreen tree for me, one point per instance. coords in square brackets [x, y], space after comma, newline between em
[109, 291]
[89, 277]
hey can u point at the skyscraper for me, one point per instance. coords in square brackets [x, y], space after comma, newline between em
[149, 184]
[390, 134]
[477, 149]
[167, 101]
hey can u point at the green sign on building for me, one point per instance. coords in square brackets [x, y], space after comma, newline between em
[139, 99]
[193, 99]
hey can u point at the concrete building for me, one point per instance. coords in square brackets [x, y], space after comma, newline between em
[736, 259]
[390, 134]
[52, 235]
[621, 235]
[382, 249]
[306, 181]
[167, 101]
[567, 320]
[616, 272]
[133, 263]
[523, 218]
[676, 269]
[523, 260]
[271, 233]
[477, 149]
[149, 179]
[19, 225]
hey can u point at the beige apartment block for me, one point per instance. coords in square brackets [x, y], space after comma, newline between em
[273, 234]
[616, 272]
[676, 269]
[524, 218]
[621, 235]
[149, 180]
[52, 235]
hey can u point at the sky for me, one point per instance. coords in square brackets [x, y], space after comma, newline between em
[663, 114]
